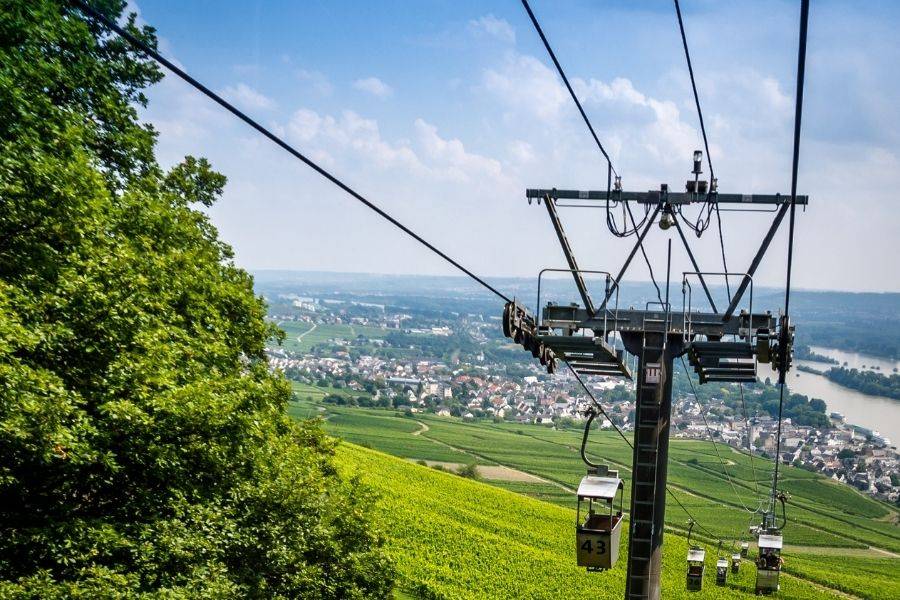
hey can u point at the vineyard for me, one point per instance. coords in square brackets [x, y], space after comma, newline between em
[824, 517]
[455, 538]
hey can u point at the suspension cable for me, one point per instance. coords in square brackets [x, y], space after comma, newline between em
[627, 441]
[749, 441]
[687, 56]
[701, 224]
[713, 440]
[798, 116]
[646, 259]
[610, 218]
[146, 49]
[562, 74]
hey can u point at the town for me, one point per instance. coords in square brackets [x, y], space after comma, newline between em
[457, 365]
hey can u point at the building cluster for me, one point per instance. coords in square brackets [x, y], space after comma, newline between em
[471, 387]
[846, 453]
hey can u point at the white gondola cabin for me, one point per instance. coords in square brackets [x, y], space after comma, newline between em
[721, 570]
[745, 549]
[735, 562]
[768, 563]
[597, 536]
[696, 558]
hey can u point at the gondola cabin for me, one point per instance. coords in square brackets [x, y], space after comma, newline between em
[735, 562]
[768, 563]
[597, 536]
[695, 559]
[721, 571]
[745, 549]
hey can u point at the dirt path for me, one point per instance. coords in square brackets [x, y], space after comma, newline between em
[307, 332]
[869, 552]
[508, 471]
[489, 472]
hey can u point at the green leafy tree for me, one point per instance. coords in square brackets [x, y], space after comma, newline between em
[144, 444]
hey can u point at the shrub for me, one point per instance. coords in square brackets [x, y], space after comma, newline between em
[144, 445]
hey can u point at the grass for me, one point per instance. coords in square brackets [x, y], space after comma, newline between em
[301, 337]
[457, 538]
[871, 578]
[821, 513]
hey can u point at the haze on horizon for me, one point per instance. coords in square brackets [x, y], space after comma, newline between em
[444, 112]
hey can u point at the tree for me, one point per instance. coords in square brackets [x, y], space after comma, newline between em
[469, 471]
[144, 444]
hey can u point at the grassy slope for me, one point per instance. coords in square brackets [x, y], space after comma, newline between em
[455, 538]
[548, 453]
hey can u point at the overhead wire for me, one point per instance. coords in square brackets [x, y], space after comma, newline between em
[798, 117]
[701, 224]
[155, 55]
[562, 74]
[690, 66]
[630, 445]
[626, 208]
[610, 218]
[713, 440]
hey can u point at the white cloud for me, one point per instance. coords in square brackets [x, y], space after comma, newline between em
[246, 97]
[353, 136]
[357, 141]
[318, 81]
[529, 91]
[528, 86]
[521, 151]
[374, 86]
[450, 160]
[491, 26]
[659, 130]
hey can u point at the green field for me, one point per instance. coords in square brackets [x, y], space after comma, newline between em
[820, 514]
[301, 337]
[456, 538]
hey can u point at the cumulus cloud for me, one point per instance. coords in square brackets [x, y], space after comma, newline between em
[374, 86]
[316, 80]
[662, 131]
[526, 86]
[246, 97]
[450, 160]
[491, 26]
[529, 91]
[358, 141]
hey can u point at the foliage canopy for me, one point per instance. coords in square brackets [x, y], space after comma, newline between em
[144, 445]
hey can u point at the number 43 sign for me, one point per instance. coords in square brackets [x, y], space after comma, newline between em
[594, 546]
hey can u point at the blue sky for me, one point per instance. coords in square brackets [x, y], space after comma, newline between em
[444, 112]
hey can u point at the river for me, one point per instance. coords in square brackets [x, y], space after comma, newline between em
[873, 412]
[855, 360]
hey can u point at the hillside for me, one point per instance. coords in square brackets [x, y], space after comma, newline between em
[456, 538]
[827, 523]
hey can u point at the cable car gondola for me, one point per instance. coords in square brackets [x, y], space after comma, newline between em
[696, 559]
[597, 536]
[721, 570]
[768, 562]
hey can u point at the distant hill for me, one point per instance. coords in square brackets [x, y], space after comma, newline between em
[854, 321]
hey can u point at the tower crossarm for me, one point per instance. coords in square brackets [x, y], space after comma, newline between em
[706, 324]
[664, 196]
